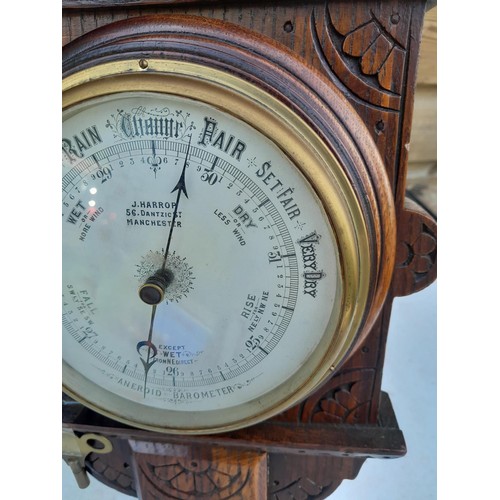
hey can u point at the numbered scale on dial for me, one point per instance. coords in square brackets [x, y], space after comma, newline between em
[200, 270]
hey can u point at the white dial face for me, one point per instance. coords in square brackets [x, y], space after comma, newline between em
[237, 256]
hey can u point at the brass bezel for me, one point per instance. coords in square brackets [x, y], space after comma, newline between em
[312, 157]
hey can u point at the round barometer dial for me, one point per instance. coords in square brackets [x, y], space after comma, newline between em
[216, 261]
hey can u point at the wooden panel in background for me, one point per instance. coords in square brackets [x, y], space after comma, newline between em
[422, 161]
[423, 147]
[427, 66]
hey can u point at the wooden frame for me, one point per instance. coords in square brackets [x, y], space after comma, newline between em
[368, 52]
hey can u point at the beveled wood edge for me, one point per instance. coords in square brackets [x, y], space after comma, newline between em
[384, 440]
[92, 4]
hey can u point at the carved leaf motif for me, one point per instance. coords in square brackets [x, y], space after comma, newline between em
[425, 244]
[387, 77]
[199, 478]
[360, 389]
[344, 407]
[301, 489]
[331, 411]
[310, 487]
[373, 47]
[345, 398]
[347, 402]
[169, 471]
[347, 417]
[107, 472]
[111, 474]
[203, 484]
[416, 257]
[219, 479]
[346, 19]
[308, 477]
[374, 58]
[358, 42]
[366, 51]
[183, 482]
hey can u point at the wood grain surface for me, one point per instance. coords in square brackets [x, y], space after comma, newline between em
[353, 69]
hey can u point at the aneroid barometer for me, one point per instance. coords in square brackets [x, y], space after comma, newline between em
[222, 246]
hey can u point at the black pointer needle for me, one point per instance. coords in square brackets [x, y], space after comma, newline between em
[152, 292]
[180, 187]
[151, 347]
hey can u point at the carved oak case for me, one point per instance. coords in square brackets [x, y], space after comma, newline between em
[368, 52]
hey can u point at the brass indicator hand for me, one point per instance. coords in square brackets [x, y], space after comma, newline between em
[153, 291]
